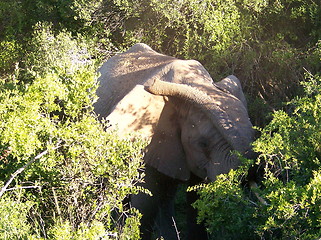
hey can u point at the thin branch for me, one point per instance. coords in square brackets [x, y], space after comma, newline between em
[177, 232]
[22, 187]
[56, 203]
[20, 170]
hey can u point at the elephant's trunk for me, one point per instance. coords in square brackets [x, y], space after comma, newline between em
[233, 124]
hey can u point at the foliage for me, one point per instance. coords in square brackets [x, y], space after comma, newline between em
[13, 219]
[225, 208]
[18, 18]
[77, 188]
[290, 146]
[49, 53]
[9, 55]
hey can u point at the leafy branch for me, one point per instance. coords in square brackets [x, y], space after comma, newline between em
[20, 170]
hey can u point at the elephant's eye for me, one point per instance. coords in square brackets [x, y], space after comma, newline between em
[203, 144]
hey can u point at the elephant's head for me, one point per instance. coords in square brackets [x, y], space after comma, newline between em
[192, 123]
[198, 129]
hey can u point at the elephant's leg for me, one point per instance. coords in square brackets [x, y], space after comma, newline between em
[195, 231]
[157, 210]
[146, 205]
[165, 221]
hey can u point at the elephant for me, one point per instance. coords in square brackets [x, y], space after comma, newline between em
[192, 124]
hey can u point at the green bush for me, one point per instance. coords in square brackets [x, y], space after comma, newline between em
[17, 18]
[13, 219]
[290, 146]
[71, 174]
[49, 53]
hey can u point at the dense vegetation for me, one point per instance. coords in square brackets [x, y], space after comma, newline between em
[62, 176]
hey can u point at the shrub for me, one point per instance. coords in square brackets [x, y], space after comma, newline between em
[290, 147]
[17, 18]
[72, 174]
[49, 51]
[13, 219]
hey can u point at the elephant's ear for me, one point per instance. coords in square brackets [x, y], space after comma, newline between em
[138, 112]
[232, 85]
[165, 151]
[146, 114]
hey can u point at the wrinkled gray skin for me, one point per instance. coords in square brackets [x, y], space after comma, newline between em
[191, 123]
